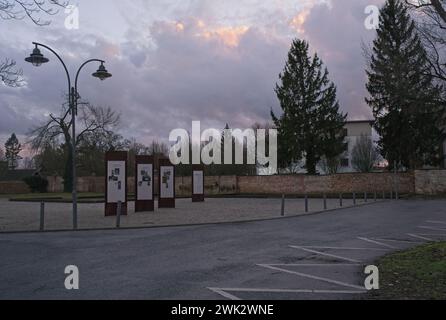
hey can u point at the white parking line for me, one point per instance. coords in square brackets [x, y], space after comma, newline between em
[313, 264]
[310, 276]
[419, 237]
[377, 242]
[222, 291]
[436, 222]
[397, 240]
[342, 248]
[432, 228]
[326, 254]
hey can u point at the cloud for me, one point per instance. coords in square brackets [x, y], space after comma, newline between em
[174, 62]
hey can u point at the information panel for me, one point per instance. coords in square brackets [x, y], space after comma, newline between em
[197, 183]
[144, 182]
[115, 182]
[166, 184]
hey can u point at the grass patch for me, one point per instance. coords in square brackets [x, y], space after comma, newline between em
[415, 274]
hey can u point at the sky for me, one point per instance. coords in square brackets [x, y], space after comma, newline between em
[178, 61]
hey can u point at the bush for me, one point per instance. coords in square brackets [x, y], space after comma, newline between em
[36, 183]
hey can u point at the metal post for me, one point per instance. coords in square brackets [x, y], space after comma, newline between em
[365, 197]
[118, 214]
[391, 194]
[306, 203]
[282, 211]
[354, 198]
[375, 197]
[384, 195]
[42, 216]
[340, 200]
[325, 201]
[73, 100]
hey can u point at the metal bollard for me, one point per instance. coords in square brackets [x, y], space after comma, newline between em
[340, 200]
[384, 195]
[375, 196]
[118, 214]
[306, 203]
[365, 197]
[325, 201]
[42, 216]
[354, 198]
[282, 211]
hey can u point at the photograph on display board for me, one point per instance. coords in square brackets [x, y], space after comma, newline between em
[167, 182]
[145, 181]
[116, 181]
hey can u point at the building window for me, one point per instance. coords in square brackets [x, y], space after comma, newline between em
[346, 147]
[345, 163]
[345, 132]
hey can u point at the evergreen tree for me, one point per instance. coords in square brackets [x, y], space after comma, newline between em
[405, 101]
[13, 148]
[311, 123]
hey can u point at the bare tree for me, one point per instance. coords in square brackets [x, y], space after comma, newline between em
[57, 130]
[10, 75]
[431, 17]
[364, 154]
[32, 9]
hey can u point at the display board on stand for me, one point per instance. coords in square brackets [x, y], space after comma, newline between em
[115, 182]
[197, 183]
[166, 182]
[144, 180]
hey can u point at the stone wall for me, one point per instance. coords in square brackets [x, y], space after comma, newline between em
[339, 183]
[13, 187]
[423, 182]
[430, 182]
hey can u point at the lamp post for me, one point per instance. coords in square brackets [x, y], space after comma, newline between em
[37, 59]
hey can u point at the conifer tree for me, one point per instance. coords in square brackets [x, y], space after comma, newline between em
[311, 124]
[405, 101]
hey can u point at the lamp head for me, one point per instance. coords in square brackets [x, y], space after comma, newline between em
[36, 57]
[102, 73]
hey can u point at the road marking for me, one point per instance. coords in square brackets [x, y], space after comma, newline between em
[377, 242]
[397, 240]
[314, 264]
[342, 248]
[432, 228]
[419, 237]
[437, 222]
[305, 275]
[432, 234]
[224, 294]
[326, 254]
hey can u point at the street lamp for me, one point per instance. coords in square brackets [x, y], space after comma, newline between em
[37, 59]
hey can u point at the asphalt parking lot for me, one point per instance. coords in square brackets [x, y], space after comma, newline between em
[306, 257]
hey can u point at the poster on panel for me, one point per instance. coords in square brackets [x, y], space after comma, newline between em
[198, 182]
[145, 182]
[167, 182]
[116, 181]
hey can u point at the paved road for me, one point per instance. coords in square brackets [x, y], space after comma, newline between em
[254, 260]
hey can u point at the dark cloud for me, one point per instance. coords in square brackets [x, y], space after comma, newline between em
[166, 75]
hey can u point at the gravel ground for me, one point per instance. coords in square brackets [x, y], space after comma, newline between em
[24, 216]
